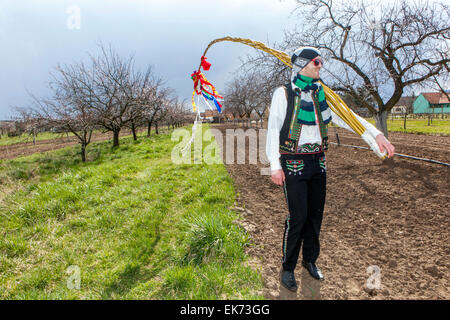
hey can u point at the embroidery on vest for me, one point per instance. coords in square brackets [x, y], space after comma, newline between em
[295, 128]
[290, 144]
[323, 128]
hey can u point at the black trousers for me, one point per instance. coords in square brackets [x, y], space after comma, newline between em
[305, 191]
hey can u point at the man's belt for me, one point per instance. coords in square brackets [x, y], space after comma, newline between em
[307, 148]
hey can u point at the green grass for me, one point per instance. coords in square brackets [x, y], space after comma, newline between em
[5, 140]
[25, 137]
[135, 224]
[420, 126]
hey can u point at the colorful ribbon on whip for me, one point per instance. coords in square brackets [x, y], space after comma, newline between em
[203, 87]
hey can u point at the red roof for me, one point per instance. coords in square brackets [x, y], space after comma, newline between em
[405, 101]
[436, 97]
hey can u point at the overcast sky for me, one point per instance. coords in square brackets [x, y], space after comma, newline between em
[170, 35]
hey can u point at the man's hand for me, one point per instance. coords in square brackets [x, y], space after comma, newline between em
[278, 177]
[383, 144]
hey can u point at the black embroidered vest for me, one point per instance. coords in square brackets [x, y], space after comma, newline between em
[291, 129]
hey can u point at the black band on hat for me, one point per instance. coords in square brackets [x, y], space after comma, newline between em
[306, 54]
[309, 54]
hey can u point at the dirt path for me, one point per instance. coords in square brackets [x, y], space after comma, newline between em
[391, 217]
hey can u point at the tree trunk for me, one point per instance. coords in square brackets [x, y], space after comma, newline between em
[83, 151]
[149, 128]
[381, 122]
[116, 138]
[133, 129]
[156, 128]
[404, 121]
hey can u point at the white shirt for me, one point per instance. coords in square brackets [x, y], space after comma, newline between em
[309, 134]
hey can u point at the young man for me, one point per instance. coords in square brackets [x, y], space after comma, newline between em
[296, 141]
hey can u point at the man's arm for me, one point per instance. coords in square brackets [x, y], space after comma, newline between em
[275, 123]
[383, 143]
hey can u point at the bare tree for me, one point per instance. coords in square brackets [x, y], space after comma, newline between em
[176, 114]
[26, 122]
[5, 128]
[153, 98]
[107, 94]
[137, 86]
[249, 92]
[112, 88]
[239, 95]
[63, 112]
[263, 88]
[165, 109]
[383, 47]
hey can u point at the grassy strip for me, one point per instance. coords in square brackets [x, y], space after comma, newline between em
[5, 140]
[419, 126]
[25, 137]
[131, 223]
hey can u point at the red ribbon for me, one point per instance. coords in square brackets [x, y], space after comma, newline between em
[205, 64]
[198, 76]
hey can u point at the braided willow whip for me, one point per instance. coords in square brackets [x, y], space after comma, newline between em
[282, 56]
[334, 100]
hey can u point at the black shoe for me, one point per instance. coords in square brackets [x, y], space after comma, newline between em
[288, 280]
[314, 271]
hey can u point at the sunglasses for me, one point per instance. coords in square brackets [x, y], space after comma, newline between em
[317, 61]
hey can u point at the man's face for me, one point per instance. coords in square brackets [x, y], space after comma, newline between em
[312, 69]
